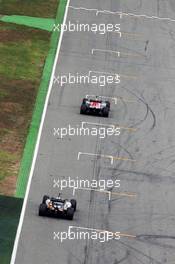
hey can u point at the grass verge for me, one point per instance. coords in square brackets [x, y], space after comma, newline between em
[35, 8]
[23, 53]
[10, 209]
[38, 110]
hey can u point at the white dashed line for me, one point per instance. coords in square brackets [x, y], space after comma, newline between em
[121, 14]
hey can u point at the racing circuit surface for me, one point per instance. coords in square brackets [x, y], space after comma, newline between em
[147, 104]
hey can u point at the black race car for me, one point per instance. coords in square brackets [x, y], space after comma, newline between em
[57, 207]
[95, 106]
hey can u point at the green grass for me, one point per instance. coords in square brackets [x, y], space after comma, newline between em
[23, 56]
[29, 21]
[38, 8]
[32, 54]
[23, 52]
[10, 209]
[3, 94]
[7, 160]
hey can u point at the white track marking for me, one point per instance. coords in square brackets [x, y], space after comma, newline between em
[121, 14]
[106, 51]
[83, 8]
[148, 17]
[102, 72]
[112, 158]
[118, 53]
[96, 10]
[91, 189]
[13, 257]
[96, 155]
[100, 230]
[88, 228]
[110, 193]
[97, 124]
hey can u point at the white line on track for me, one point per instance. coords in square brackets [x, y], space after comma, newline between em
[89, 229]
[100, 230]
[95, 155]
[96, 10]
[121, 14]
[97, 124]
[148, 17]
[110, 193]
[107, 51]
[95, 190]
[13, 258]
[118, 53]
[112, 158]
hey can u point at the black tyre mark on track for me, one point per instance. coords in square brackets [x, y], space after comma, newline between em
[123, 259]
[150, 176]
[139, 252]
[148, 109]
[152, 239]
[146, 45]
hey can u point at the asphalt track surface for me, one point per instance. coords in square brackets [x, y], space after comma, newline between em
[150, 216]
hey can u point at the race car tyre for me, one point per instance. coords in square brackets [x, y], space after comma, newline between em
[42, 210]
[83, 110]
[70, 213]
[108, 104]
[85, 100]
[45, 197]
[74, 204]
[106, 112]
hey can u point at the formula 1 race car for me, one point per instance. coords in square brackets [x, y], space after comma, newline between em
[95, 105]
[57, 207]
